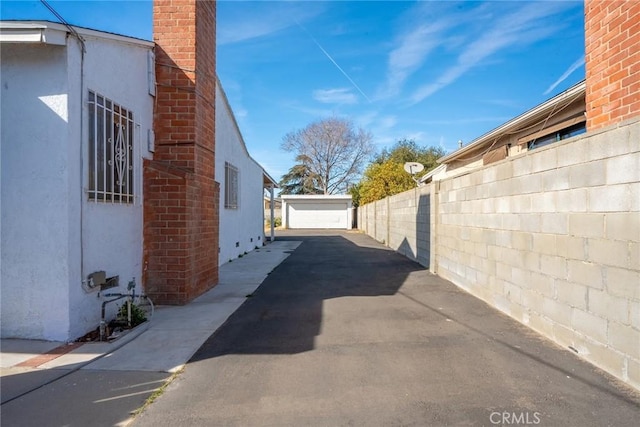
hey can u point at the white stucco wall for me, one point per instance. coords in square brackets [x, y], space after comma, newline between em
[57, 236]
[112, 232]
[243, 226]
[34, 190]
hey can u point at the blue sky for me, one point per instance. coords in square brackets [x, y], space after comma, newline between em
[433, 71]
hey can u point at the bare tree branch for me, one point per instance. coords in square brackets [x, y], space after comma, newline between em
[335, 153]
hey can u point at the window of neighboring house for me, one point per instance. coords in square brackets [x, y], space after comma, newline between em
[230, 186]
[111, 130]
[559, 135]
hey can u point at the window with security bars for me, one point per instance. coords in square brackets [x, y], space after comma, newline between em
[111, 134]
[230, 186]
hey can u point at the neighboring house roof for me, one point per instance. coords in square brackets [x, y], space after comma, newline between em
[429, 176]
[546, 109]
[47, 32]
[267, 179]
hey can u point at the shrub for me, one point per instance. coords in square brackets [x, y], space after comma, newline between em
[138, 315]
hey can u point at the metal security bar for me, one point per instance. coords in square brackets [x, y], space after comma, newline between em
[230, 186]
[111, 137]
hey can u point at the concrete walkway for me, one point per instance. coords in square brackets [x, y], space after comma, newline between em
[347, 332]
[50, 384]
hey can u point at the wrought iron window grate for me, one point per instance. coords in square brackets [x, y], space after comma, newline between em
[231, 185]
[111, 138]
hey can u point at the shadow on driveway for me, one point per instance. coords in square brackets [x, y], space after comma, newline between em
[348, 332]
[285, 314]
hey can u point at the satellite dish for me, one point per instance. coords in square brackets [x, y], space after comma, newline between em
[413, 167]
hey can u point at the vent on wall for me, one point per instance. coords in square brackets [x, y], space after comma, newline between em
[112, 282]
[96, 280]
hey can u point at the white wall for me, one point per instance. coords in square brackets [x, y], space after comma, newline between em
[111, 233]
[34, 190]
[45, 252]
[243, 226]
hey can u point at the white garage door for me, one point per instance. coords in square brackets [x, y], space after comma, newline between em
[317, 215]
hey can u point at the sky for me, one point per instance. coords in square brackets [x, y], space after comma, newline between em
[437, 72]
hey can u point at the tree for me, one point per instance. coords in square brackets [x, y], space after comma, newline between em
[334, 151]
[300, 179]
[355, 190]
[386, 176]
[407, 150]
[384, 179]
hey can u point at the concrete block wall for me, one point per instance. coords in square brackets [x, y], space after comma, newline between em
[381, 221]
[402, 222]
[552, 238]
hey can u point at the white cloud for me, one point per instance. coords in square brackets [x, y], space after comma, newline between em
[241, 113]
[520, 27]
[381, 126]
[468, 120]
[579, 63]
[249, 20]
[333, 61]
[335, 96]
[378, 123]
[416, 136]
[508, 103]
[316, 112]
[365, 119]
[412, 49]
[275, 162]
[387, 122]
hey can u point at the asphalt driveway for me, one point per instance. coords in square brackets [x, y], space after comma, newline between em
[347, 332]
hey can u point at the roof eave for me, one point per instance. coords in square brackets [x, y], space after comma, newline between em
[32, 32]
[517, 121]
[47, 32]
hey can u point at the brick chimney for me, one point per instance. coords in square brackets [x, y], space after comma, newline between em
[180, 194]
[612, 42]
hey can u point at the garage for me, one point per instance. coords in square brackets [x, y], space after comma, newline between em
[316, 211]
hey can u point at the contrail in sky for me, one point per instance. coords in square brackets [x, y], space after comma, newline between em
[566, 74]
[334, 62]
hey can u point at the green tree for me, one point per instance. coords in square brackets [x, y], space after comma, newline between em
[407, 150]
[386, 176]
[334, 152]
[355, 191]
[384, 179]
[300, 179]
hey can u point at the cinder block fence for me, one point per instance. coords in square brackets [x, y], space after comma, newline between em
[550, 237]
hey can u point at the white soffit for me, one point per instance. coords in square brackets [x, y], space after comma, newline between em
[31, 33]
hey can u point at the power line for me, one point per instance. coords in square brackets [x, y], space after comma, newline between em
[65, 23]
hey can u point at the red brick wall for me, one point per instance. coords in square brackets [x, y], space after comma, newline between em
[180, 193]
[612, 41]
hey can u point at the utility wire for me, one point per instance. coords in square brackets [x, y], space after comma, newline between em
[65, 23]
